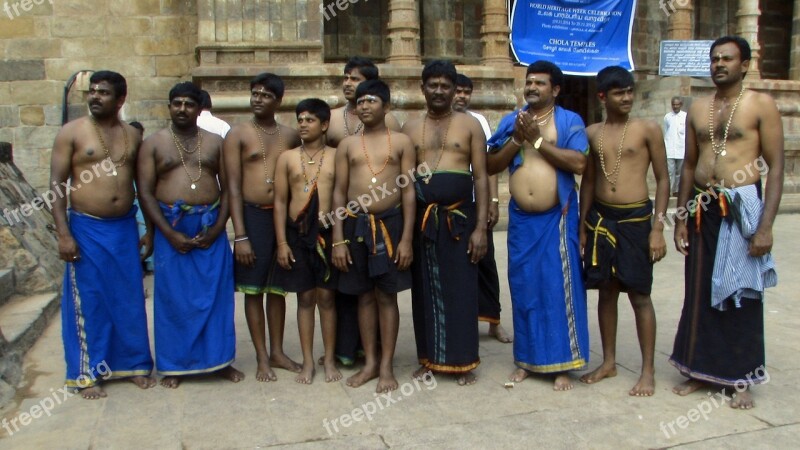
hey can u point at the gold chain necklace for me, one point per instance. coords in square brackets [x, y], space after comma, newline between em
[547, 116]
[310, 158]
[346, 126]
[614, 172]
[310, 161]
[267, 178]
[181, 149]
[443, 144]
[366, 155]
[720, 149]
[120, 162]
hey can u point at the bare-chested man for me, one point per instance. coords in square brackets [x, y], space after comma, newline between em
[451, 228]
[732, 138]
[488, 280]
[618, 242]
[543, 146]
[373, 201]
[99, 240]
[251, 151]
[303, 188]
[345, 122]
[183, 193]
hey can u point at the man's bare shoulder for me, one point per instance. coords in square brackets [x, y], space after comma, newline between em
[345, 143]
[239, 130]
[593, 129]
[763, 100]
[646, 125]
[210, 138]
[339, 109]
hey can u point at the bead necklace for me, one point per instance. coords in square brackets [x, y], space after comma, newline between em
[181, 149]
[366, 155]
[346, 126]
[719, 149]
[267, 178]
[614, 172]
[303, 153]
[120, 162]
[444, 140]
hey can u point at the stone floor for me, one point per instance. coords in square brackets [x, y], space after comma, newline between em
[212, 413]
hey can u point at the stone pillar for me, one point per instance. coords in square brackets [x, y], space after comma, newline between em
[747, 27]
[494, 34]
[403, 33]
[794, 71]
[681, 21]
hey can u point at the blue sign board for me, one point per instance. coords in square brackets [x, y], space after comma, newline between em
[580, 36]
[685, 58]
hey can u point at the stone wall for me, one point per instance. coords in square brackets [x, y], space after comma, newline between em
[151, 42]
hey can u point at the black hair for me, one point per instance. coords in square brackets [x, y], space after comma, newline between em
[186, 89]
[463, 81]
[613, 77]
[206, 103]
[365, 67]
[316, 107]
[541, 66]
[374, 87]
[439, 68]
[271, 82]
[116, 81]
[744, 47]
[138, 126]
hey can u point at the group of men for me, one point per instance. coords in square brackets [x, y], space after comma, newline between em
[350, 209]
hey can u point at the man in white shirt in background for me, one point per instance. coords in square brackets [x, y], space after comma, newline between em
[210, 123]
[488, 280]
[675, 141]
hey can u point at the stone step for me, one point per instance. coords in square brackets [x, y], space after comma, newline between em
[6, 285]
[23, 319]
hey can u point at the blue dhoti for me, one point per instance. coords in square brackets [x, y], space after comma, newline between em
[104, 324]
[548, 298]
[194, 306]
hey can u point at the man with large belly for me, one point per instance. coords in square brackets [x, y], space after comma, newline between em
[543, 146]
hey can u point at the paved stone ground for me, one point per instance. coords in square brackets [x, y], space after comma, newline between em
[212, 413]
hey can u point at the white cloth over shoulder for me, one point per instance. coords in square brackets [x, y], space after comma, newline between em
[737, 275]
[213, 124]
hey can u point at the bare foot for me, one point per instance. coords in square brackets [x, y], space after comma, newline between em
[604, 371]
[420, 373]
[500, 333]
[331, 372]
[687, 387]
[386, 383]
[743, 400]
[306, 375]
[283, 361]
[467, 379]
[93, 393]
[170, 382]
[518, 375]
[364, 375]
[562, 382]
[231, 374]
[143, 382]
[265, 373]
[645, 387]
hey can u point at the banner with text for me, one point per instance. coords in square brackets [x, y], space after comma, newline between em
[580, 36]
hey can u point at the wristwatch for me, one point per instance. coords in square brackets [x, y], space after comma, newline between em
[538, 143]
